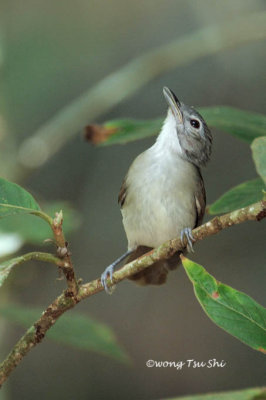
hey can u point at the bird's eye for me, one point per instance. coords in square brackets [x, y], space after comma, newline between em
[195, 123]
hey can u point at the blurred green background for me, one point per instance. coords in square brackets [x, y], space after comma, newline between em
[51, 52]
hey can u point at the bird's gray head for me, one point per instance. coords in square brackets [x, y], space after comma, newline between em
[193, 134]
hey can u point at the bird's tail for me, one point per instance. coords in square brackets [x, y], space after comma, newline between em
[156, 274]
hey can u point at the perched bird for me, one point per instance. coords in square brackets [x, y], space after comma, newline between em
[163, 195]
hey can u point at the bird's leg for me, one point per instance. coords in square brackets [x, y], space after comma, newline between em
[187, 232]
[108, 272]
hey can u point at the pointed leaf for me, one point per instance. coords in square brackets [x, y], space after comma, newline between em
[243, 124]
[233, 311]
[72, 329]
[240, 196]
[259, 155]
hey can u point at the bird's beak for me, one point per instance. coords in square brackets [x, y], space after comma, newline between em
[174, 104]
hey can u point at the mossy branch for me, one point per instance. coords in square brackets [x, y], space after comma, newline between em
[74, 294]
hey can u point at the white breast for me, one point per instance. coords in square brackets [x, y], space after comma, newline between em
[160, 199]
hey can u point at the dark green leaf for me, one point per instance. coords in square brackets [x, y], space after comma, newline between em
[33, 230]
[240, 196]
[233, 311]
[15, 200]
[243, 124]
[246, 394]
[259, 155]
[71, 329]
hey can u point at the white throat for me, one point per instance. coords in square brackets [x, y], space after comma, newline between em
[168, 139]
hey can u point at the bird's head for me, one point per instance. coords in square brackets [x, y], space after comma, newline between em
[193, 134]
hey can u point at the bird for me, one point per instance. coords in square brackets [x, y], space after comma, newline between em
[163, 195]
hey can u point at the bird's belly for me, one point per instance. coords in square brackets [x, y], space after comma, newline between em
[161, 217]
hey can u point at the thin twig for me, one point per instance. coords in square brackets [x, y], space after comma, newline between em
[65, 301]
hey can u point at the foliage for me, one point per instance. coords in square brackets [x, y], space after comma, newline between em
[15, 200]
[259, 155]
[72, 329]
[75, 330]
[247, 126]
[240, 196]
[242, 124]
[35, 231]
[234, 311]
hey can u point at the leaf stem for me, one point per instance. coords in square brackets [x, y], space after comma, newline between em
[44, 216]
[40, 256]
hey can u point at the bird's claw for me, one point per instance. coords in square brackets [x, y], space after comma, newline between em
[108, 273]
[187, 232]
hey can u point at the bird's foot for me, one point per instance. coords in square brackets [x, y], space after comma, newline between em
[187, 232]
[108, 272]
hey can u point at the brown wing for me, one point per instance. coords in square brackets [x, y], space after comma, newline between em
[200, 200]
[122, 194]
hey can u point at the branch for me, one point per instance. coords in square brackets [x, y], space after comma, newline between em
[64, 254]
[124, 82]
[255, 212]
[66, 300]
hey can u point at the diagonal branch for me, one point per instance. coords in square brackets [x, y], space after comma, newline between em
[64, 302]
[254, 212]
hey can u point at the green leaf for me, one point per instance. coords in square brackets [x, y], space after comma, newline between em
[246, 394]
[240, 196]
[259, 155]
[233, 311]
[15, 200]
[128, 130]
[243, 124]
[35, 231]
[72, 329]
